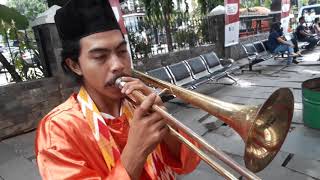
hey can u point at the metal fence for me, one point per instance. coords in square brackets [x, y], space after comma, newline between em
[149, 38]
[20, 57]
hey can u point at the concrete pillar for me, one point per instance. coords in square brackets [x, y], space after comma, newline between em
[48, 41]
[50, 48]
[216, 33]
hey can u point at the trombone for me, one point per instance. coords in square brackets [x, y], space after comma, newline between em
[263, 128]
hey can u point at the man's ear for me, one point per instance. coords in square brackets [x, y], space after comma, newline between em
[74, 66]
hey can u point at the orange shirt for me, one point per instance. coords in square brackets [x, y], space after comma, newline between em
[66, 148]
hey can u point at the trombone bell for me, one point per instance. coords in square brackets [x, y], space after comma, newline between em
[269, 129]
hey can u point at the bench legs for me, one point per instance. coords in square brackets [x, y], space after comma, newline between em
[250, 69]
[232, 78]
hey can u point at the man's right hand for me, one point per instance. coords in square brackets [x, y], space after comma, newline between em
[147, 129]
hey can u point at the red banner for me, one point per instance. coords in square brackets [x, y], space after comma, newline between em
[117, 12]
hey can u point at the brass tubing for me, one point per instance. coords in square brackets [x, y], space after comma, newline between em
[138, 96]
[263, 128]
[213, 150]
[214, 165]
[177, 124]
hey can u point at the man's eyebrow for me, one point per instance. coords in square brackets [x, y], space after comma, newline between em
[102, 50]
[123, 42]
[99, 50]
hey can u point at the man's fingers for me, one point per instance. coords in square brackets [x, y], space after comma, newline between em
[128, 78]
[153, 118]
[135, 85]
[131, 87]
[160, 124]
[145, 106]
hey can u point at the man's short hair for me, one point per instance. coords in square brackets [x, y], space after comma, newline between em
[71, 50]
[301, 18]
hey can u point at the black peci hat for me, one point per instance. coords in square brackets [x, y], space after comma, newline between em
[80, 18]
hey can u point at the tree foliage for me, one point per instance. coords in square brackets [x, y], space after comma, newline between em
[28, 8]
[18, 68]
[7, 15]
[207, 5]
[160, 10]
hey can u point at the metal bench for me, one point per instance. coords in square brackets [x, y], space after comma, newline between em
[161, 73]
[181, 74]
[194, 71]
[215, 67]
[258, 52]
[198, 67]
[252, 55]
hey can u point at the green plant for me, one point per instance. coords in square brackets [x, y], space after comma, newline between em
[183, 37]
[28, 8]
[206, 6]
[204, 30]
[18, 68]
[138, 45]
[267, 3]
[9, 15]
[159, 11]
[143, 48]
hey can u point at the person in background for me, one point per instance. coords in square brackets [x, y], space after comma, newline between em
[278, 45]
[294, 41]
[308, 18]
[316, 26]
[304, 36]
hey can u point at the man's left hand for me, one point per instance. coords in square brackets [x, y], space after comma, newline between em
[136, 84]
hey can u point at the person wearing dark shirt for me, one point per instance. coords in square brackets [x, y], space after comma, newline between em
[316, 26]
[304, 36]
[277, 44]
[293, 41]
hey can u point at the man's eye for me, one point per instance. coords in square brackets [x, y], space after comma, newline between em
[123, 51]
[100, 57]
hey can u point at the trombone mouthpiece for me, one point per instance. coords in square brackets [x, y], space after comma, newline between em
[119, 83]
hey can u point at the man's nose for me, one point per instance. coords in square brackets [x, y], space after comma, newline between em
[116, 64]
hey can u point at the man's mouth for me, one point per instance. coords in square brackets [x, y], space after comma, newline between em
[111, 82]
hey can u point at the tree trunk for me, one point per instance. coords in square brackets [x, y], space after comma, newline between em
[10, 69]
[168, 31]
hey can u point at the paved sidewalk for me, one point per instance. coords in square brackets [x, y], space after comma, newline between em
[299, 158]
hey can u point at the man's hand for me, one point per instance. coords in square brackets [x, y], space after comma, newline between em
[136, 84]
[147, 129]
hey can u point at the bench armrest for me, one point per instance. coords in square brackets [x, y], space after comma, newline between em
[226, 62]
[252, 54]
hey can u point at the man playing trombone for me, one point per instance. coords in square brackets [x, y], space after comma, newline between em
[96, 133]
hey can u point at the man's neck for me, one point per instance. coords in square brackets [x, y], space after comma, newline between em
[105, 104]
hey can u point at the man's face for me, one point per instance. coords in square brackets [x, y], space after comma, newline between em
[103, 58]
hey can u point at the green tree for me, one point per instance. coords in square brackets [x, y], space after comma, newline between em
[9, 17]
[11, 24]
[160, 12]
[207, 5]
[28, 8]
[267, 3]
